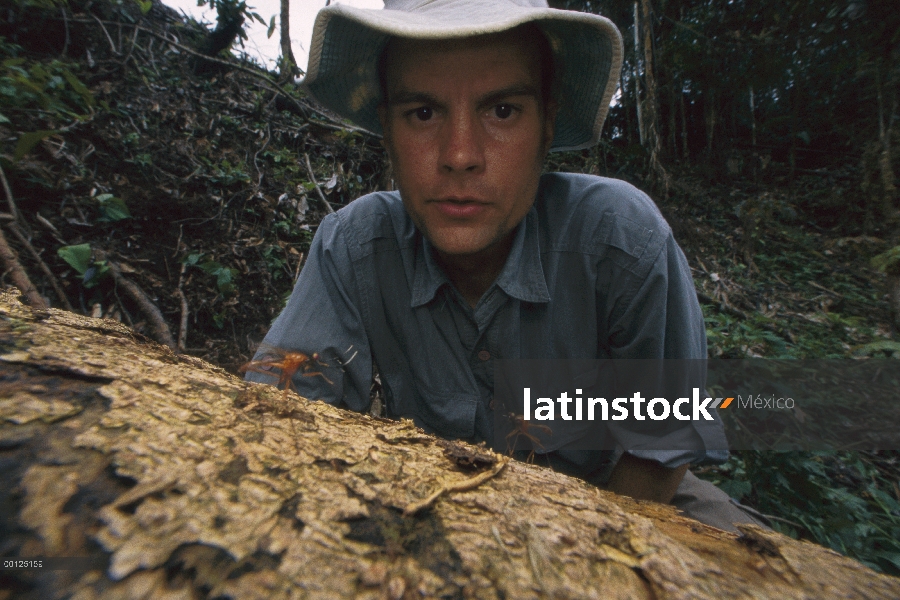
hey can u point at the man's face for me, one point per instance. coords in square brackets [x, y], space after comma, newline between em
[466, 131]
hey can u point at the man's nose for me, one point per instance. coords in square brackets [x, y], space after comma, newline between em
[462, 147]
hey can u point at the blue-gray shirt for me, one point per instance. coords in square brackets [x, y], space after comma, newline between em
[594, 272]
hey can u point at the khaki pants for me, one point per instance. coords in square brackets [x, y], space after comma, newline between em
[701, 500]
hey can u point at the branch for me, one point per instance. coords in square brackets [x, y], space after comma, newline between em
[19, 276]
[9, 197]
[160, 329]
[312, 178]
[53, 281]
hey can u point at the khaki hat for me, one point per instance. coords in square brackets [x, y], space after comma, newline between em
[347, 43]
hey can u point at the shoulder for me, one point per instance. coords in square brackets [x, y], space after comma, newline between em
[369, 222]
[591, 214]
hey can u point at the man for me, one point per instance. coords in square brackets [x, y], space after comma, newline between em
[479, 257]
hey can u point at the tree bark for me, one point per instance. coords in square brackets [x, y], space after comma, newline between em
[178, 480]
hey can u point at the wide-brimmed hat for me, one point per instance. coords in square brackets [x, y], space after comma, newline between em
[347, 43]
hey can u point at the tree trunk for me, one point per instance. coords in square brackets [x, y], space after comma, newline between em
[671, 137]
[685, 152]
[710, 106]
[651, 104]
[176, 479]
[753, 134]
[886, 118]
[288, 62]
[637, 75]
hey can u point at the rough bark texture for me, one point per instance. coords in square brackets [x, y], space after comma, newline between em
[186, 482]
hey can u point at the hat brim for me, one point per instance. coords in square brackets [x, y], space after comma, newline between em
[347, 42]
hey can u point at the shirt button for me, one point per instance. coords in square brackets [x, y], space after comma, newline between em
[484, 355]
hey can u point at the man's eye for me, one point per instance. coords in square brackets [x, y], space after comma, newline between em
[424, 113]
[503, 111]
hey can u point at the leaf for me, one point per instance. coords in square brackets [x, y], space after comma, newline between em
[145, 5]
[3, 119]
[94, 274]
[271, 28]
[736, 489]
[112, 209]
[79, 88]
[78, 257]
[29, 141]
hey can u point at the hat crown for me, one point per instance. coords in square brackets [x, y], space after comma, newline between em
[412, 5]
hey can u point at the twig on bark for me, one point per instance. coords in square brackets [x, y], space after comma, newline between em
[462, 486]
[47, 272]
[158, 326]
[312, 179]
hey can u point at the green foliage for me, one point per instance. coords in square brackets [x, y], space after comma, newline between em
[29, 140]
[144, 5]
[233, 11]
[49, 85]
[275, 262]
[226, 174]
[888, 262]
[79, 258]
[841, 500]
[883, 347]
[225, 276]
[111, 208]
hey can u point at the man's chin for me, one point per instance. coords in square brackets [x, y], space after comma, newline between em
[459, 246]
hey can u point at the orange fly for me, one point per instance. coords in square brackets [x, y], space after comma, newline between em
[288, 362]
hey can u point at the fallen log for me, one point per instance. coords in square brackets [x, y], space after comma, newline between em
[175, 479]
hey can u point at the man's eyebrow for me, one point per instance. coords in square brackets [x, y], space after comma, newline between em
[513, 90]
[410, 97]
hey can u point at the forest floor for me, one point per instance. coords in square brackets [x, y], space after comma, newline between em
[130, 160]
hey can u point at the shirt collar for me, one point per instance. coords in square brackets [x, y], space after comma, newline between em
[522, 276]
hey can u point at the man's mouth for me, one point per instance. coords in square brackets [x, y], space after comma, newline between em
[460, 208]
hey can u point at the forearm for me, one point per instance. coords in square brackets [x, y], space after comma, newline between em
[645, 479]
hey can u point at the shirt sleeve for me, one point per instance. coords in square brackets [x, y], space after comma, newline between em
[322, 316]
[660, 318]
